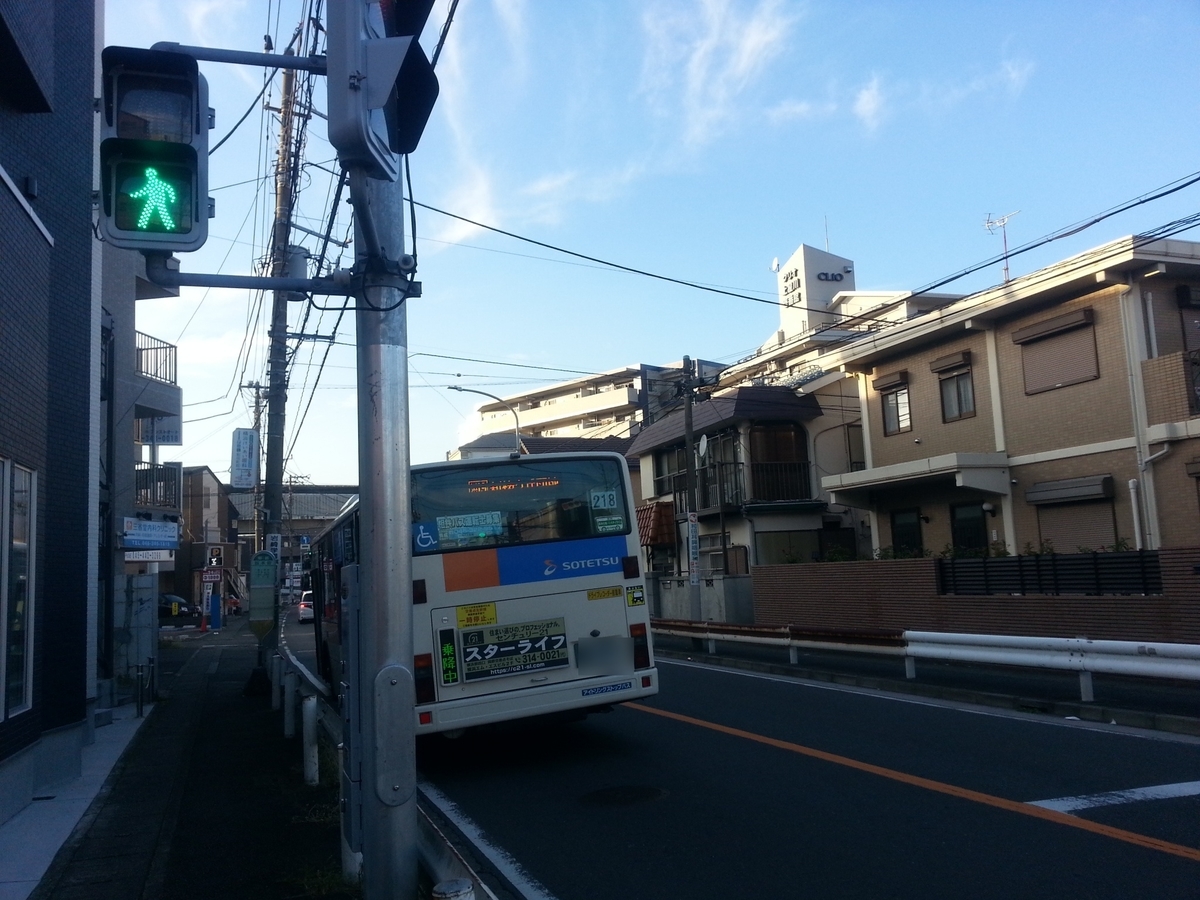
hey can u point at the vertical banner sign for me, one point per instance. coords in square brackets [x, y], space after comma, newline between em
[693, 541]
[243, 470]
[262, 593]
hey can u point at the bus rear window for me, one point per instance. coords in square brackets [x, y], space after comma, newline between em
[517, 502]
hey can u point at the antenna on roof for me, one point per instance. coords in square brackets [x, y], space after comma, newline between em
[1002, 223]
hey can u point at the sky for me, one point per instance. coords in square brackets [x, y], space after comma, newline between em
[695, 139]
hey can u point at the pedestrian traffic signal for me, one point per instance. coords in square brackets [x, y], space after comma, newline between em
[153, 150]
[381, 87]
[215, 558]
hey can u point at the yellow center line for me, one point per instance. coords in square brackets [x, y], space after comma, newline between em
[1025, 809]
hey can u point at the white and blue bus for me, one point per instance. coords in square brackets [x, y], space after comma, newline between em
[528, 596]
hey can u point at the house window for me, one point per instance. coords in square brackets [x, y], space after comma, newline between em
[968, 529]
[955, 385]
[1058, 352]
[906, 533]
[958, 394]
[856, 451]
[896, 417]
[779, 462]
[668, 465]
[17, 529]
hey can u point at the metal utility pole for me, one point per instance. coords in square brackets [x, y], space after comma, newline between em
[277, 360]
[386, 694]
[693, 537]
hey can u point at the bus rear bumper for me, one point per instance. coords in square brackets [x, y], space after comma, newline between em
[565, 696]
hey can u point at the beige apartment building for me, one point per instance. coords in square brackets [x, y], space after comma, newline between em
[1059, 411]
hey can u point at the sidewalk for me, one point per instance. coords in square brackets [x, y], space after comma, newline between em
[208, 800]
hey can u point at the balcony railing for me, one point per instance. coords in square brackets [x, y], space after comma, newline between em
[155, 358]
[724, 484]
[156, 485]
[773, 481]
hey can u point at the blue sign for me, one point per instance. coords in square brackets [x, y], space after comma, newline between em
[424, 538]
[566, 559]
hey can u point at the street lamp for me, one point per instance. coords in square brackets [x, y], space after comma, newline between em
[516, 420]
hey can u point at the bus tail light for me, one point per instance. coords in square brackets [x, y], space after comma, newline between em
[630, 567]
[641, 646]
[423, 677]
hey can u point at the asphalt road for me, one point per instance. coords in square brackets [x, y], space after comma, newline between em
[731, 784]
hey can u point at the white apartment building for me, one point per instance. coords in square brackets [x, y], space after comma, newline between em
[616, 403]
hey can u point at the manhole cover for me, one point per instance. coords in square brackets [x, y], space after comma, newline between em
[622, 795]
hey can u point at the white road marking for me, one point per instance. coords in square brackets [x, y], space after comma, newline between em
[525, 884]
[1114, 798]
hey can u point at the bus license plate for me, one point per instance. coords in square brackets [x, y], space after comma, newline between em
[510, 649]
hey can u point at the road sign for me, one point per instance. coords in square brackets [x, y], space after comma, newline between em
[693, 541]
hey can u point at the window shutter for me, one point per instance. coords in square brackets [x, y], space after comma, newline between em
[1054, 362]
[1069, 526]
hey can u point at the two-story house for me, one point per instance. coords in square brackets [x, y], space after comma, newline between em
[1059, 411]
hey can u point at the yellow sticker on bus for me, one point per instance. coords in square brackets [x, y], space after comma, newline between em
[475, 614]
[604, 593]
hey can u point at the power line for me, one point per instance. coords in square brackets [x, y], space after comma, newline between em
[1158, 193]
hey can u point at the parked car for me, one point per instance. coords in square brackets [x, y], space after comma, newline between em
[170, 605]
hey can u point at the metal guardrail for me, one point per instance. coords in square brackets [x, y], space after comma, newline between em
[291, 681]
[1143, 659]
[795, 638]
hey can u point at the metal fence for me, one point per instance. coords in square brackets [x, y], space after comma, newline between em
[157, 485]
[1132, 572]
[155, 358]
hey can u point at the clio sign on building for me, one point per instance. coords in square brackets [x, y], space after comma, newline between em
[808, 282]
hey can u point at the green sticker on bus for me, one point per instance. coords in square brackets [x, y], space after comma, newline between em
[609, 524]
[449, 656]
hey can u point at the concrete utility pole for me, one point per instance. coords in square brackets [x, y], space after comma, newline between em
[689, 386]
[386, 691]
[277, 359]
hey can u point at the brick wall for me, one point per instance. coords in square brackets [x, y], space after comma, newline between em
[45, 318]
[1166, 383]
[970, 435]
[1067, 417]
[902, 595]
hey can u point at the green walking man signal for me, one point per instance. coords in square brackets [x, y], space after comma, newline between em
[157, 194]
[153, 151]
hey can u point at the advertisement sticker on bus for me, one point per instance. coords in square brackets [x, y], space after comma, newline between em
[475, 614]
[604, 593]
[509, 649]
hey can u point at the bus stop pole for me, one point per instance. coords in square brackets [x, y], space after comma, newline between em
[385, 687]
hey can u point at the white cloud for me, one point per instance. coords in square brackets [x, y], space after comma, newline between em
[869, 104]
[701, 57]
[798, 110]
[1010, 76]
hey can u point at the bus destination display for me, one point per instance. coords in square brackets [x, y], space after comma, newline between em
[508, 649]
